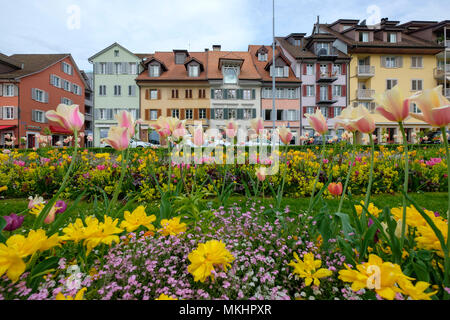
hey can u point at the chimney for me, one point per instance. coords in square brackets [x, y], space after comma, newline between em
[217, 47]
[317, 25]
[206, 49]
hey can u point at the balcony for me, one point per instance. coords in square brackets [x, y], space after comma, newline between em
[326, 77]
[326, 99]
[326, 54]
[439, 72]
[365, 94]
[445, 43]
[446, 92]
[365, 72]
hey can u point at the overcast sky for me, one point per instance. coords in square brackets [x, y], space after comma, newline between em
[85, 27]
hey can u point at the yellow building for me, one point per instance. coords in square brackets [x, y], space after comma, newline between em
[383, 56]
[174, 84]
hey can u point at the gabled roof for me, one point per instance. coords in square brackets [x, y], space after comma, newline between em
[202, 67]
[151, 59]
[109, 48]
[278, 54]
[11, 62]
[248, 69]
[34, 63]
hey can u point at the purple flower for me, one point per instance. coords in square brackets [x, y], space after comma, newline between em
[13, 222]
[61, 205]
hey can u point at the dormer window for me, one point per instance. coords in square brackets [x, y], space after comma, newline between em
[322, 48]
[154, 70]
[392, 37]
[116, 53]
[364, 37]
[180, 58]
[230, 75]
[194, 71]
[297, 42]
[262, 56]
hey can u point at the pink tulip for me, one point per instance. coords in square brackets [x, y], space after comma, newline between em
[434, 106]
[68, 117]
[118, 138]
[261, 173]
[257, 125]
[318, 122]
[392, 105]
[198, 136]
[231, 129]
[125, 120]
[285, 135]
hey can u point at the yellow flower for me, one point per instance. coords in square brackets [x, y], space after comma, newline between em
[206, 257]
[428, 240]
[172, 227]
[165, 297]
[308, 268]
[413, 217]
[11, 257]
[372, 209]
[4, 188]
[375, 274]
[37, 209]
[136, 219]
[416, 292]
[78, 296]
[75, 231]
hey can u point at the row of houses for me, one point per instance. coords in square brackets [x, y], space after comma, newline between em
[339, 64]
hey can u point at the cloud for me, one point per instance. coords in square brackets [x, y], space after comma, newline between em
[145, 26]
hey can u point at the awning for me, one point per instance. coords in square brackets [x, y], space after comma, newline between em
[6, 127]
[60, 130]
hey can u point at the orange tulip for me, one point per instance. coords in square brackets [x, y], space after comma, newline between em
[335, 188]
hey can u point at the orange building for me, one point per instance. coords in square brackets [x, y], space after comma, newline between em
[30, 85]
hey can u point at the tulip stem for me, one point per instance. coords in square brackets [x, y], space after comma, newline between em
[447, 254]
[405, 185]
[119, 185]
[318, 173]
[348, 178]
[369, 187]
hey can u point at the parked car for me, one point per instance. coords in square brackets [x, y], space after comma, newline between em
[319, 141]
[433, 137]
[133, 144]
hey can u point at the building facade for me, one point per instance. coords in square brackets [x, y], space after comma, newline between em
[30, 85]
[115, 71]
[382, 56]
[88, 108]
[287, 90]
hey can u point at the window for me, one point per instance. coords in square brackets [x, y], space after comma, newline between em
[309, 69]
[103, 68]
[337, 69]
[262, 56]
[39, 95]
[154, 71]
[153, 94]
[66, 85]
[231, 94]
[280, 115]
[189, 114]
[414, 108]
[416, 85]
[248, 114]
[175, 94]
[291, 115]
[416, 62]
[202, 113]
[153, 114]
[188, 94]
[218, 94]
[102, 90]
[346, 28]
[390, 83]
[279, 72]
[66, 101]
[291, 93]
[39, 116]
[267, 93]
[55, 81]
[67, 68]
[392, 37]
[310, 91]
[180, 58]
[247, 94]
[324, 111]
[118, 68]
[280, 93]
[8, 113]
[322, 48]
[391, 62]
[218, 114]
[310, 110]
[102, 114]
[337, 111]
[194, 71]
[232, 113]
[323, 93]
[337, 91]
[364, 37]
[117, 91]
[268, 114]
[202, 93]
[132, 91]
[230, 75]
[297, 42]
[76, 89]
[176, 113]
[133, 68]
[9, 90]
[116, 53]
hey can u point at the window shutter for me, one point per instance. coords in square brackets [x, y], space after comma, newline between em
[240, 114]
[286, 71]
[399, 62]
[330, 68]
[110, 114]
[147, 114]
[33, 115]
[253, 113]
[45, 120]
[317, 70]
[1, 112]
[210, 114]
[159, 94]
[383, 62]
[317, 93]
[304, 91]
[125, 68]
[344, 68]
[225, 114]
[344, 91]
[169, 112]
[212, 93]
[271, 71]
[1, 90]
[52, 80]
[330, 112]
[182, 114]
[225, 94]
[253, 94]
[330, 92]
[305, 69]
[196, 117]
[96, 114]
[33, 93]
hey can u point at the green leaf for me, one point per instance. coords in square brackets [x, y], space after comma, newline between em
[46, 264]
[421, 271]
[346, 226]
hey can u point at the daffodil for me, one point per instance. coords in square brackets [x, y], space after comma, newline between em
[165, 297]
[136, 219]
[206, 257]
[78, 296]
[172, 227]
[417, 291]
[309, 268]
